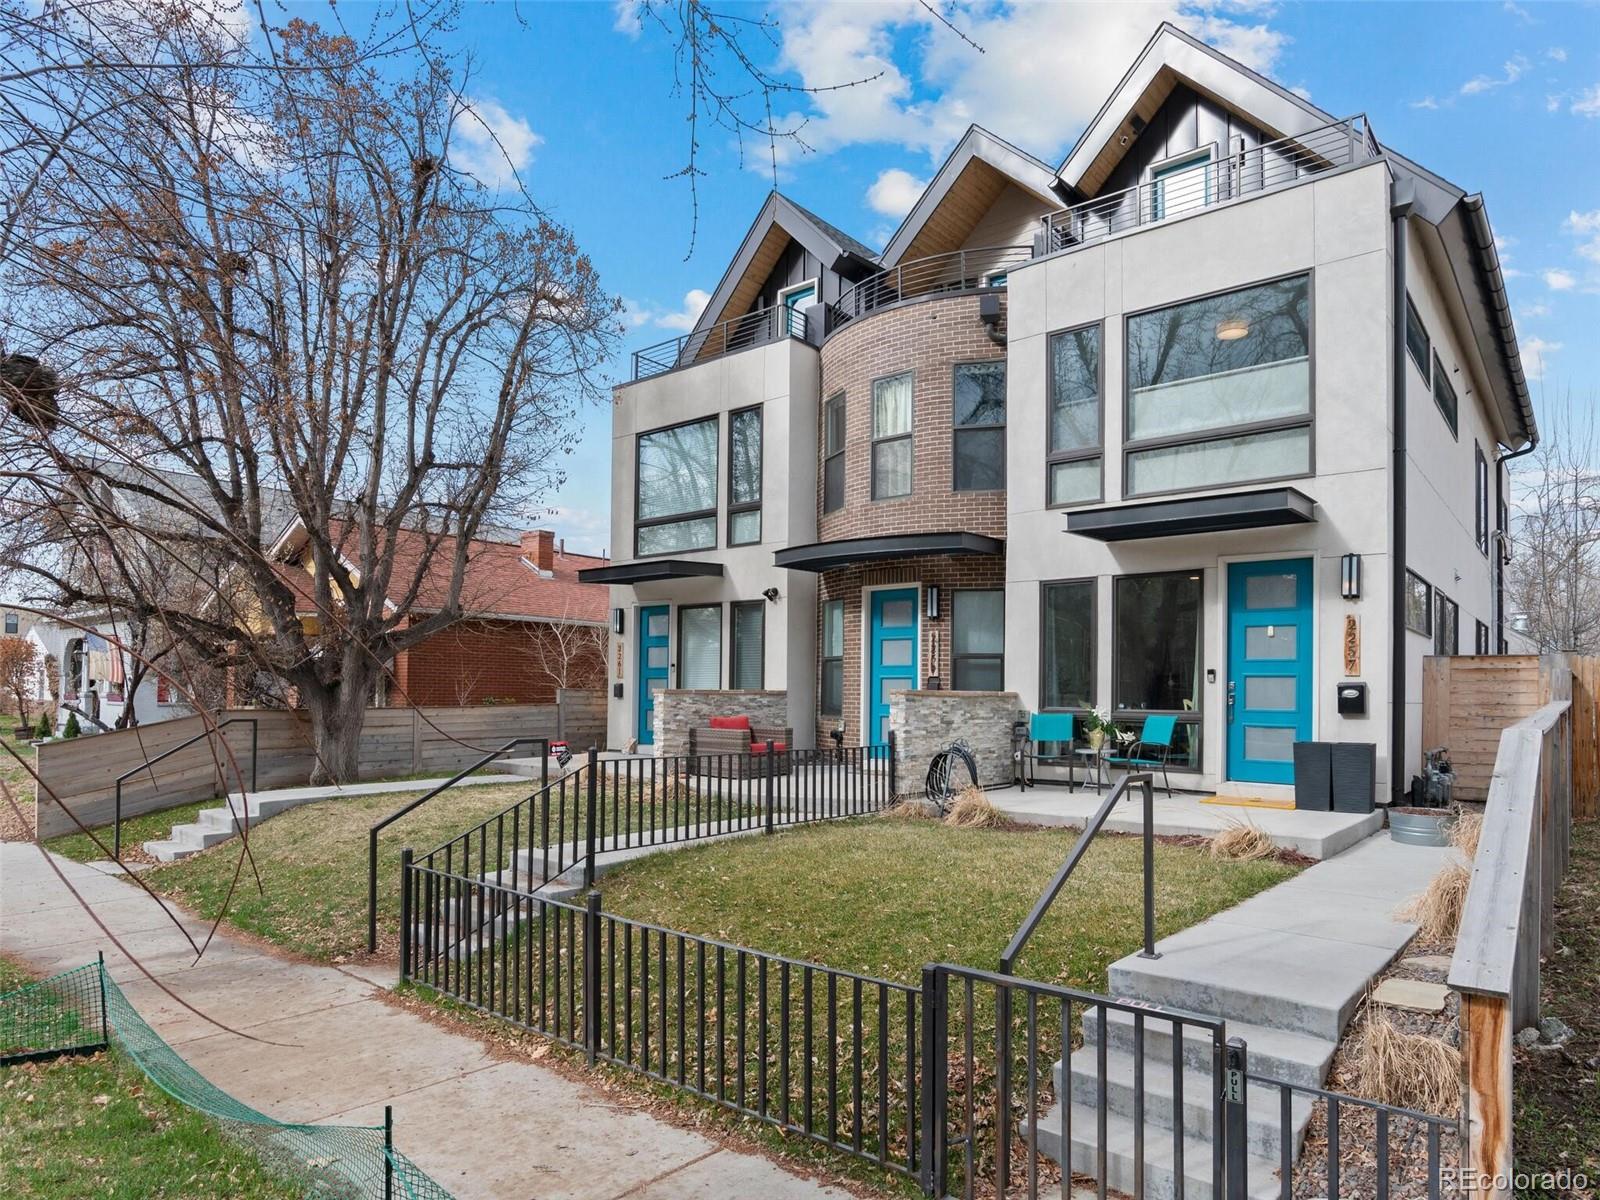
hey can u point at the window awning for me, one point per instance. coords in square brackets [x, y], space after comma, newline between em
[824, 556]
[650, 570]
[1204, 514]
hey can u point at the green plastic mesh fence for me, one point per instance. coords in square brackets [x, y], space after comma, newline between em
[75, 1010]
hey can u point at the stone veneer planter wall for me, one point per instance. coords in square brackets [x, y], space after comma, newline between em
[925, 722]
[680, 710]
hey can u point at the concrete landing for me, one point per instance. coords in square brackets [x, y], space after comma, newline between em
[1317, 835]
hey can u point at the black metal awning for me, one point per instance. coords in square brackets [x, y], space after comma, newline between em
[650, 570]
[824, 556]
[1204, 514]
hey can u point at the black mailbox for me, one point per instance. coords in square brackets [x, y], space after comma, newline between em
[1352, 699]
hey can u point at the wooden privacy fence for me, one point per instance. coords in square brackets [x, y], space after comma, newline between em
[1508, 922]
[81, 774]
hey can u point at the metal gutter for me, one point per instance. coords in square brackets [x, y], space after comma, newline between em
[1492, 279]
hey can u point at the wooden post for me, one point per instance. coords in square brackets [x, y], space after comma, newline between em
[1486, 1085]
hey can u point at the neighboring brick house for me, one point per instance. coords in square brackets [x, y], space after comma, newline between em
[530, 626]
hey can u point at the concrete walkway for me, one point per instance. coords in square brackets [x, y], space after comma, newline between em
[485, 1128]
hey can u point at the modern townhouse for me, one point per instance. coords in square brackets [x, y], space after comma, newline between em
[1208, 422]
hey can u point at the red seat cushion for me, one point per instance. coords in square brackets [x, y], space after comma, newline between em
[780, 747]
[730, 722]
[758, 747]
[763, 747]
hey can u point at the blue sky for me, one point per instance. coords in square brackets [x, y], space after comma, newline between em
[1499, 98]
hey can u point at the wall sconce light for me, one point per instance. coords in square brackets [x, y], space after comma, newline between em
[1350, 577]
[930, 602]
[771, 594]
[617, 618]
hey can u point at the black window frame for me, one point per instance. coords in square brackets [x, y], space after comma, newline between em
[734, 607]
[673, 518]
[957, 430]
[1451, 412]
[1192, 717]
[1442, 604]
[1427, 606]
[830, 458]
[1480, 505]
[824, 658]
[740, 507]
[956, 660]
[875, 441]
[1420, 358]
[1092, 584]
[1052, 458]
[1480, 638]
[677, 670]
[13, 624]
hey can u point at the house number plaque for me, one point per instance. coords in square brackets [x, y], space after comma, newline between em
[1352, 645]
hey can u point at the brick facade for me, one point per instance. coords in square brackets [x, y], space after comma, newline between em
[505, 662]
[927, 338]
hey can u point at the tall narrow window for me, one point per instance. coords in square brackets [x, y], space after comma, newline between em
[1480, 638]
[1066, 651]
[1418, 344]
[11, 623]
[978, 411]
[700, 646]
[1419, 605]
[1155, 635]
[747, 662]
[891, 437]
[833, 453]
[1073, 451]
[833, 658]
[1446, 625]
[1444, 395]
[744, 476]
[1480, 485]
[978, 640]
[675, 508]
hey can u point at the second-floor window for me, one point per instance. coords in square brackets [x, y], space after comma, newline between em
[1073, 451]
[891, 437]
[1418, 345]
[833, 453]
[744, 477]
[11, 623]
[1444, 395]
[978, 412]
[1480, 497]
[676, 505]
[1219, 389]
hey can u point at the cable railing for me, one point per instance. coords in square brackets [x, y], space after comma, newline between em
[756, 328]
[925, 278]
[1180, 192]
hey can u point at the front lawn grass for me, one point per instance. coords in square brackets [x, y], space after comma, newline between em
[95, 1126]
[136, 831]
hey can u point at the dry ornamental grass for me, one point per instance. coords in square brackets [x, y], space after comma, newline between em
[1241, 842]
[1409, 1070]
[974, 810]
[1437, 912]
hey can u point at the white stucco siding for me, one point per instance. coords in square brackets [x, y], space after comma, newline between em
[1337, 230]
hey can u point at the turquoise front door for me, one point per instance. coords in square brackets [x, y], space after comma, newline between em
[892, 656]
[655, 625]
[1269, 668]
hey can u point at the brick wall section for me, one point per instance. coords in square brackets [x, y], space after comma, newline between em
[679, 710]
[926, 722]
[505, 662]
[927, 338]
[846, 583]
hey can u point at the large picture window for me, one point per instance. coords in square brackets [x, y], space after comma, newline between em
[747, 661]
[833, 453]
[891, 437]
[833, 658]
[1073, 453]
[1219, 389]
[978, 412]
[700, 646]
[744, 477]
[1155, 635]
[676, 504]
[1067, 633]
[978, 640]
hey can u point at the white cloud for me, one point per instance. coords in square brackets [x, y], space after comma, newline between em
[1558, 280]
[636, 314]
[492, 144]
[1582, 222]
[1587, 102]
[1534, 350]
[1556, 54]
[1517, 11]
[1302, 91]
[894, 192]
[1514, 69]
[627, 17]
[1426, 102]
[1528, 312]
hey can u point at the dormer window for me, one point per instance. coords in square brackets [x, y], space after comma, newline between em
[1181, 184]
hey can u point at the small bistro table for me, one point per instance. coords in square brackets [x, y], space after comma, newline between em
[1093, 758]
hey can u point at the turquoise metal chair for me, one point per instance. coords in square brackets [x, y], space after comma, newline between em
[1152, 750]
[1048, 727]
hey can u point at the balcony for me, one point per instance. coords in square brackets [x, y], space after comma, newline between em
[759, 328]
[928, 278]
[1265, 168]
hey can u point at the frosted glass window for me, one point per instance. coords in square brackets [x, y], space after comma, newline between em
[1271, 591]
[895, 652]
[885, 686]
[744, 528]
[1280, 453]
[656, 657]
[1271, 641]
[897, 614]
[657, 624]
[1270, 693]
[1074, 482]
[1268, 744]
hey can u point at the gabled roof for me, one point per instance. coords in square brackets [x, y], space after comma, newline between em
[978, 168]
[779, 222]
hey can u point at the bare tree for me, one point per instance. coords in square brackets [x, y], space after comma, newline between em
[1553, 579]
[243, 282]
[569, 652]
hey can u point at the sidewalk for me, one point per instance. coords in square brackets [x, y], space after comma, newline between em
[486, 1129]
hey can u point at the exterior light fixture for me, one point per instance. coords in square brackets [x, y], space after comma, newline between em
[930, 602]
[617, 621]
[1350, 576]
[771, 594]
[1231, 329]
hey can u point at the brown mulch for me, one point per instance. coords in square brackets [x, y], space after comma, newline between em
[16, 823]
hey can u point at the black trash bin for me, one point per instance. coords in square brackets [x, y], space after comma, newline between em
[1355, 776]
[1313, 781]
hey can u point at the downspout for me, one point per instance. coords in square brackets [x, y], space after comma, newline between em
[1499, 548]
[1402, 198]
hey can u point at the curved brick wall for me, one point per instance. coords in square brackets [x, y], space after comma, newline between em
[927, 337]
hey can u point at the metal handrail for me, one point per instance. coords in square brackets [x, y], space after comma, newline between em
[1146, 782]
[926, 278]
[372, 834]
[758, 328]
[1263, 168]
[116, 830]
